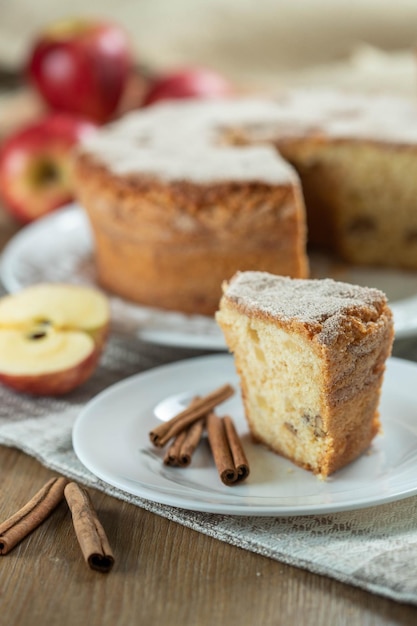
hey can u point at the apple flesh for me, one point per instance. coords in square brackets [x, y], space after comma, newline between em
[188, 83]
[51, 337]
[81, 66]
[36, 168]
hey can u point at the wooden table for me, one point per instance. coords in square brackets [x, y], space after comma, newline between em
[164, 573]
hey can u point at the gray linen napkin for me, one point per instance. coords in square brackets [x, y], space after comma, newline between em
[374, 548]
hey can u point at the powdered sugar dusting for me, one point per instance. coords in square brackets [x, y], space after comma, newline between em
[320, 304]
[183, 140]
[345, 115]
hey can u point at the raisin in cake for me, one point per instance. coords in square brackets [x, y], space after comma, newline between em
[311, 356]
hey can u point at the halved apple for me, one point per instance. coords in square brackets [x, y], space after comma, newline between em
[51, 337]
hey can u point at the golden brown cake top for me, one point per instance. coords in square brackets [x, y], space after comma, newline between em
[196, 140]
[322, 306]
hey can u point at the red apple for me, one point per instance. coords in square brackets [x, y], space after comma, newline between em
[35, 165]
[188, 83]
[81, 66]
[51, 337]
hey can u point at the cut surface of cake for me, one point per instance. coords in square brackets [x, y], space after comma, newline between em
[311, 357]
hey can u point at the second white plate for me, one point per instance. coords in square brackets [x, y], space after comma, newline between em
[111, 438]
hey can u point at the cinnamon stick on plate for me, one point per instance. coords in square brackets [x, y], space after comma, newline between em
[193, 438]
[90, 533]
[180, 452]
[227, 450]
[30, 516]
[167, 430]
[238, 454]
[173, 453]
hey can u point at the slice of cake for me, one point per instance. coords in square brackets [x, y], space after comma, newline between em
[311, 356]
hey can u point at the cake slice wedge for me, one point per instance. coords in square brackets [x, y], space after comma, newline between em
[311, 357]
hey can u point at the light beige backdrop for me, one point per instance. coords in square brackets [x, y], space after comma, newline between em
[256, 42]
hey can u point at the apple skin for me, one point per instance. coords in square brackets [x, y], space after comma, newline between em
[36, 168]
[81, 66]
[188, 83]
[76, 314]
[54, 383]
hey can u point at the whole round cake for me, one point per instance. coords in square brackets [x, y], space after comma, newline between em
[182, 195]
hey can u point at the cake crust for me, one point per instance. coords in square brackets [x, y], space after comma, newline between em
[171, 246]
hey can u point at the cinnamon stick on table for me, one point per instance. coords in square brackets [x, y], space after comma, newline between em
[167, 430]
[30, 516]
[90, 533]
[180, 452]
[228, 453]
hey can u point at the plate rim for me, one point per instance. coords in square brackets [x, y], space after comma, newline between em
[186, 502]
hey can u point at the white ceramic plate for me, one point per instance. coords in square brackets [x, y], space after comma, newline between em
[59, 247]
[110, 437]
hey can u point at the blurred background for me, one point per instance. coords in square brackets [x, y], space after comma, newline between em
[253, 41]
[257, 44]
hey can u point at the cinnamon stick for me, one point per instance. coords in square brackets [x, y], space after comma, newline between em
[160, 435]
[90, 533]
[238, 454]
[30, 516]
[220, 449]
[180, 453]
[193, 438]
[173, 453]
[227, 449]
